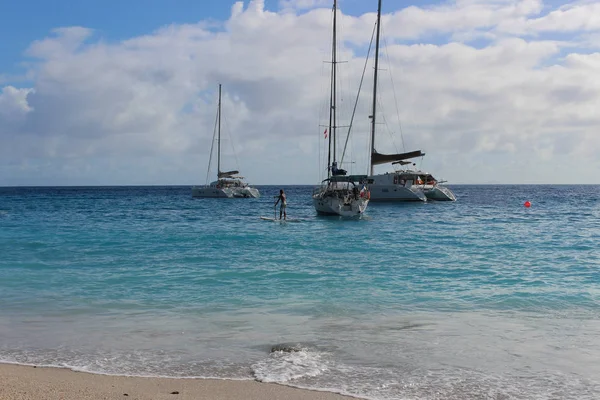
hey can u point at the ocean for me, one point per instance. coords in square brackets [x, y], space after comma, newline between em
[481, 298]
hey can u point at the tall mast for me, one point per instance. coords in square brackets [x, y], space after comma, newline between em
[332, 96]
[374, 110]
[219, 137]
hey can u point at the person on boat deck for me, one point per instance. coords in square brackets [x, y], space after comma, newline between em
[283, 205]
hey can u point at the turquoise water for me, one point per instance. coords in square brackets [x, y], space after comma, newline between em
[481, 298]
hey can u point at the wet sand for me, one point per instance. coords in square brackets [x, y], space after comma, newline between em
[19, 382]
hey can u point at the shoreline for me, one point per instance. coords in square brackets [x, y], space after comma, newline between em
[26, 382]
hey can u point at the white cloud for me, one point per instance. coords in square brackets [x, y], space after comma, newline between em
[13, 103]
[142, 110]
[303, 4]
[569, 18]
[458, 17]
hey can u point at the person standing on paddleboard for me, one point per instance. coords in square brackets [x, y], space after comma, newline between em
[283, 206]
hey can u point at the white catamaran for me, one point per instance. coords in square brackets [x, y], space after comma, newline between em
[403, 184]
[339, 194]
[228, 184]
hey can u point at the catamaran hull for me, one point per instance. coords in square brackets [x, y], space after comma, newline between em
[382, 193]
[212, 192]
[439, 193]
[397, 186]
[247, 192]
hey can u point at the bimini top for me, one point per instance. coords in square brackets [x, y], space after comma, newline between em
[347, 178]
[228, 174]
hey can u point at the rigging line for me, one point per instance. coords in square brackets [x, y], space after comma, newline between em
[362, 78]
[420, 167]
[380, 105]
[389, 131]
[211, 149]
[394, 91]
[332, 100]
[321, 106]
[342, 73]
[237, 162]
[339, 71]
[226, 125]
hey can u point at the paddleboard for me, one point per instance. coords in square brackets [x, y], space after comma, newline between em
[281, 220]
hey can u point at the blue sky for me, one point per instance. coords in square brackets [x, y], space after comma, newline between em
[23, 21]
[28, 20]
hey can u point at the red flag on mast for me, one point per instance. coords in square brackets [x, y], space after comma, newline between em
[325, 133]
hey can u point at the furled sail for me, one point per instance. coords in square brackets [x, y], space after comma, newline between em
[378, 158]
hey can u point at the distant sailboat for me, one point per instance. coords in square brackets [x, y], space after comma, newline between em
[339, 194]
[401, 185]
[228, 184]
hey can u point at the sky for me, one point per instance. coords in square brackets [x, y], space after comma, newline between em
[125, 92]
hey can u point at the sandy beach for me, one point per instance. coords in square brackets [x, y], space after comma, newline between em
[19, 382]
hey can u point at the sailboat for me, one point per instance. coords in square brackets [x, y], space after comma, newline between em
[339, 194]
[400, 185]
[228, 184]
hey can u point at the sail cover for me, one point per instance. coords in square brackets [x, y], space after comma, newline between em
[378, 158]
[227, 174]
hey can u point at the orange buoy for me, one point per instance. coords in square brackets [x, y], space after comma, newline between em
[527, 204]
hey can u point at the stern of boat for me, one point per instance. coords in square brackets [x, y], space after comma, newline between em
[440, 193]
[247, 192]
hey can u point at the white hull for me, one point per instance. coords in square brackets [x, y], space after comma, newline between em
[388, 187]
[228, 192]
[246, 192]
[396, 193]
[438, 193]
[408, 185]
[335, 202]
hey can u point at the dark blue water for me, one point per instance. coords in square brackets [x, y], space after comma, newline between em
[481, 298]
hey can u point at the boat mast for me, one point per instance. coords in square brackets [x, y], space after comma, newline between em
[219, 137]
[332, 96]
[374, 110]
